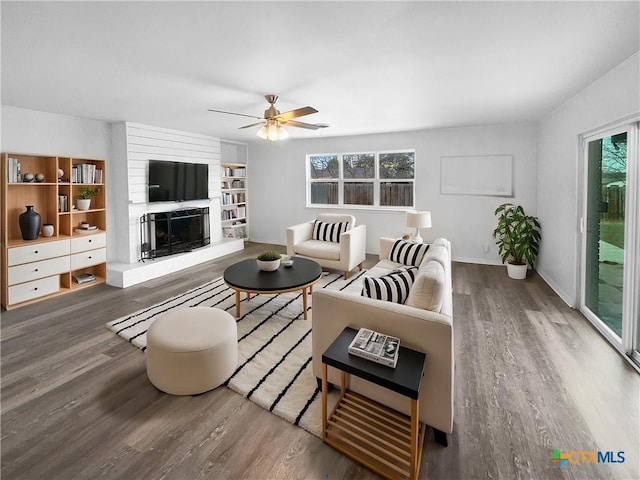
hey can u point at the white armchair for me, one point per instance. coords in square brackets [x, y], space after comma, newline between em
[344, 255]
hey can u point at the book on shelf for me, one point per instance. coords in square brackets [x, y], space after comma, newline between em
[85, 173]
[63, 205]
[226, 199]
[85, 231]
[13, 170]
[234, 172]
[375, 346]
[84, 278]
[235, 231]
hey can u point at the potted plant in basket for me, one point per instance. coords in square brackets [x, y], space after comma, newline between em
[84, 197]
[269, 261]
[518, 238]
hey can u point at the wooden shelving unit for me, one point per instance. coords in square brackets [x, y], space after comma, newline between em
[233, 209]
[33, 270]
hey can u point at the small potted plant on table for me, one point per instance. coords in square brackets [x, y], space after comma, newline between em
[269, 261]
[84, 196]
[518, 238]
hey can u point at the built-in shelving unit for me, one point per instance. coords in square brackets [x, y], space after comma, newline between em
[47, 266]
[233, 204]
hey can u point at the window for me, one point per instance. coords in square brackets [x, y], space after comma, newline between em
[324, 170]
[361, 180]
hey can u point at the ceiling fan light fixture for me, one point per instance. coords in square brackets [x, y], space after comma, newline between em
[263, 132]
[272, 133]
[272, 120]
[282, 133]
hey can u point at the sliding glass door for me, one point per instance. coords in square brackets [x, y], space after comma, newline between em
[611, 230]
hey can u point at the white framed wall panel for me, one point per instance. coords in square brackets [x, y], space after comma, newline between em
[477, 175]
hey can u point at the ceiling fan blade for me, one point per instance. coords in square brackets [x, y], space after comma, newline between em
[252, 125]
[298, 112]
[233, 113]
[309, 126]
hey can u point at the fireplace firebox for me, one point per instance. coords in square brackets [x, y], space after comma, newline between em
[178, 231]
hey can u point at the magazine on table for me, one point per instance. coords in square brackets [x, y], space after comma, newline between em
[377, 347]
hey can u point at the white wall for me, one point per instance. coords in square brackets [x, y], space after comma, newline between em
[233, 152]
[276, 179]
[613, 97]
[28, 131]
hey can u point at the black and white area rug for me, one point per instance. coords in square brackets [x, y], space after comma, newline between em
[274, 345]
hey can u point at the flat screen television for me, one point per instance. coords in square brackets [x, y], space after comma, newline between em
[177, 181]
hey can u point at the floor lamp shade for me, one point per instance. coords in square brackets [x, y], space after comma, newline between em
[418, 220]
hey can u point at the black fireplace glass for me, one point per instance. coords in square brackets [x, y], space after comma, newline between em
[168, 233]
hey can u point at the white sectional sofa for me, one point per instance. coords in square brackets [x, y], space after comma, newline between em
[423, 323]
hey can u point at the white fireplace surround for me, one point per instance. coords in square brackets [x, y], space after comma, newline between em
[133, 145]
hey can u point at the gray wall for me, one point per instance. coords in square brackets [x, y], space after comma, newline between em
[611, 98]
[277, 185]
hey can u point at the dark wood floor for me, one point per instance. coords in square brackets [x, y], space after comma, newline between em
[532, 376]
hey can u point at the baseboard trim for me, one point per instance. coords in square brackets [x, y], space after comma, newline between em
[479, 261]
[568, 299]
[125, 275]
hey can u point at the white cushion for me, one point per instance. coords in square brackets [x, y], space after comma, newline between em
[386, 265]
[337, 218]
[318, 249]
[428, 288]
[439, 253]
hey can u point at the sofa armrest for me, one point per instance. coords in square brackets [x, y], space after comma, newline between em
[298, 233]
[385, 247]
[353, 245]
[422, 330]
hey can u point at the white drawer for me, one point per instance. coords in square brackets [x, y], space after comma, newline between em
[30, 290]
[34, 270]
[37, 251]
[87, 259]
[88, 242]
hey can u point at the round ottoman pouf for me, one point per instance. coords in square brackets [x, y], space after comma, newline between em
[191, 350]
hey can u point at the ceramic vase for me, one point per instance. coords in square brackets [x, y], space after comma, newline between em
[29, 223]
[47, 230]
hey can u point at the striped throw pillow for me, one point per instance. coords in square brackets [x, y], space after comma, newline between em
[408, 253]
[329, 232]
[393, 287]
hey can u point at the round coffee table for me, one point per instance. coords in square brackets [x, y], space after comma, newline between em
[245, 276]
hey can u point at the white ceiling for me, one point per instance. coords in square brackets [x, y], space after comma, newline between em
[366, 66]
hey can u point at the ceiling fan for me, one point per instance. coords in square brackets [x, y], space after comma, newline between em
[273, 120]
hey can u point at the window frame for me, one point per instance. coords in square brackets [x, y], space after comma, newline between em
[376, 181]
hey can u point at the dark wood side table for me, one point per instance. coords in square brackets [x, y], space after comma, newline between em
[384, 440]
